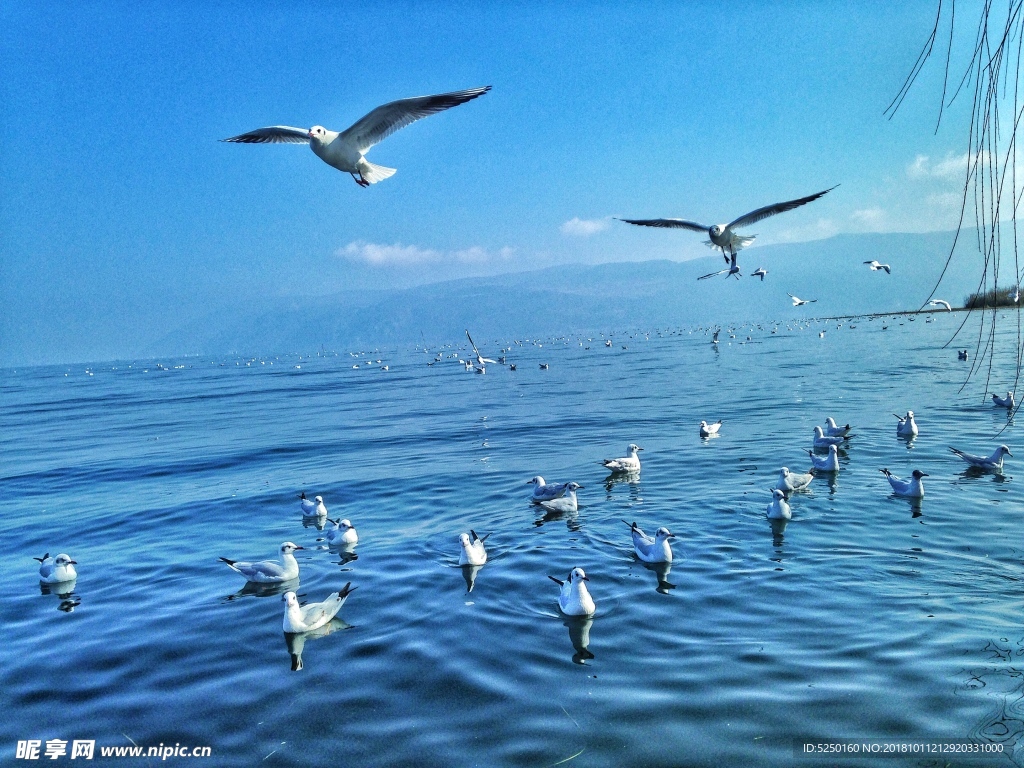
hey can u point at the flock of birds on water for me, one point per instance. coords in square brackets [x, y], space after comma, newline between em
[346, 152]
[574, 597]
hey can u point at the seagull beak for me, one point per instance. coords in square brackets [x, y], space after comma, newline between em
[586, 578]
[300, 547]
[309, 133]
[925, 474]
[73, 562]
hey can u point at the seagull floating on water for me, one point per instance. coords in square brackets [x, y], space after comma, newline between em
[630, 463]
[473, 551]
[320, 510]
[800, 302]
[707, 430]
[995, 461]
[652, 549]
[343, 532]
[822, 441]
[61, 569]
[793, 481]
[828, 464]
[834, 430]
[778, 509]
[566, 502]
[269, 571]
[574, 598]
[305, 618]
[941, 303]
[906, 427]
[545, 491]
[722, 237]
[961, 354]
[912, 488]
[875, 267]
[345, 151]
[307, 505]
[1003, 402]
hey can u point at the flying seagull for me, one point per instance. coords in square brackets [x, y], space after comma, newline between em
[759, 272]
[345, 150]
[941, 303]
[722, 236]
[729, 271]
[479, 358]
[799, 302]
[875, 266]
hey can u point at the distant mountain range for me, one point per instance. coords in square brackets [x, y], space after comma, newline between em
[605, 297]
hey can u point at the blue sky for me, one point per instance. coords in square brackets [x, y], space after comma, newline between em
[121, 207]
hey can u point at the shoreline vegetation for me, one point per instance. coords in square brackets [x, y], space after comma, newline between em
[994, 298]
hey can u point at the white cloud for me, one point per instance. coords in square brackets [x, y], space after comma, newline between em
[951, 168]
[382, 255]
[578, 227]
[869, 217]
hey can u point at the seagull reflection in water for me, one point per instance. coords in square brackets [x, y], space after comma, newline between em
[346, 553]
[296, 642]
[572, 519]
[579, 636]
[632, 479]
[469, 573]
[253, 589]
[65, 590]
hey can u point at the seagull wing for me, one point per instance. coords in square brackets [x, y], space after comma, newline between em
[713, 274]
[275, 134]
[770, 210]
[668, 224]
[388, 118]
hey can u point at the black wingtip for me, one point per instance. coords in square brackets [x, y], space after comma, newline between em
[559, 582]
[229, 562]
[346, 590]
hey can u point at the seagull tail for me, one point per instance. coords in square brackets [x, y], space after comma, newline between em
[374, 173]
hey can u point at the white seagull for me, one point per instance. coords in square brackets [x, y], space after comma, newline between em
[307, 505]
[566, 502]
[480, 359]
[995, 461]
[759, 272]
[545, 491]
[828, 464]
[343, 532]
[875, 267]
[320, 510]
[834, 430]
[778, 509]
[792, 481]
[305, 618]
[652, 549]
[906, 427]
[821, 441]
[574, 598]
[800, 302]
[1003, 402]
[722, 236]
[941, 303]
[345, 150]
[473, 551]
[912, 488]
[707, 430]
[60, 569]
[269, 571]
[630, 463]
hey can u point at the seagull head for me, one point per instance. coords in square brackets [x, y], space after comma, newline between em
[538, 481]
[573, 487]
[344, 524]
[778, 495]
[818, 432]
[464, 540]
[918, 474]
[664, 533]
[287, 548]
[1004, 450]
[910, 414]
[318, 134]
[290, 598]
[319, 499]
[717, 230]
[577, 574]
[634, 448]
[64, 560]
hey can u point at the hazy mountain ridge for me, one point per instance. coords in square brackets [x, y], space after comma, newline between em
[606, 297]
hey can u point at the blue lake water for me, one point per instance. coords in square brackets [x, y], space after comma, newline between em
[869, 617]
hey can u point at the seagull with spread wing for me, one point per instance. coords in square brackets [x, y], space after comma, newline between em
[723, 237]
[345, 150]
[800, 302]
[481, 360]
